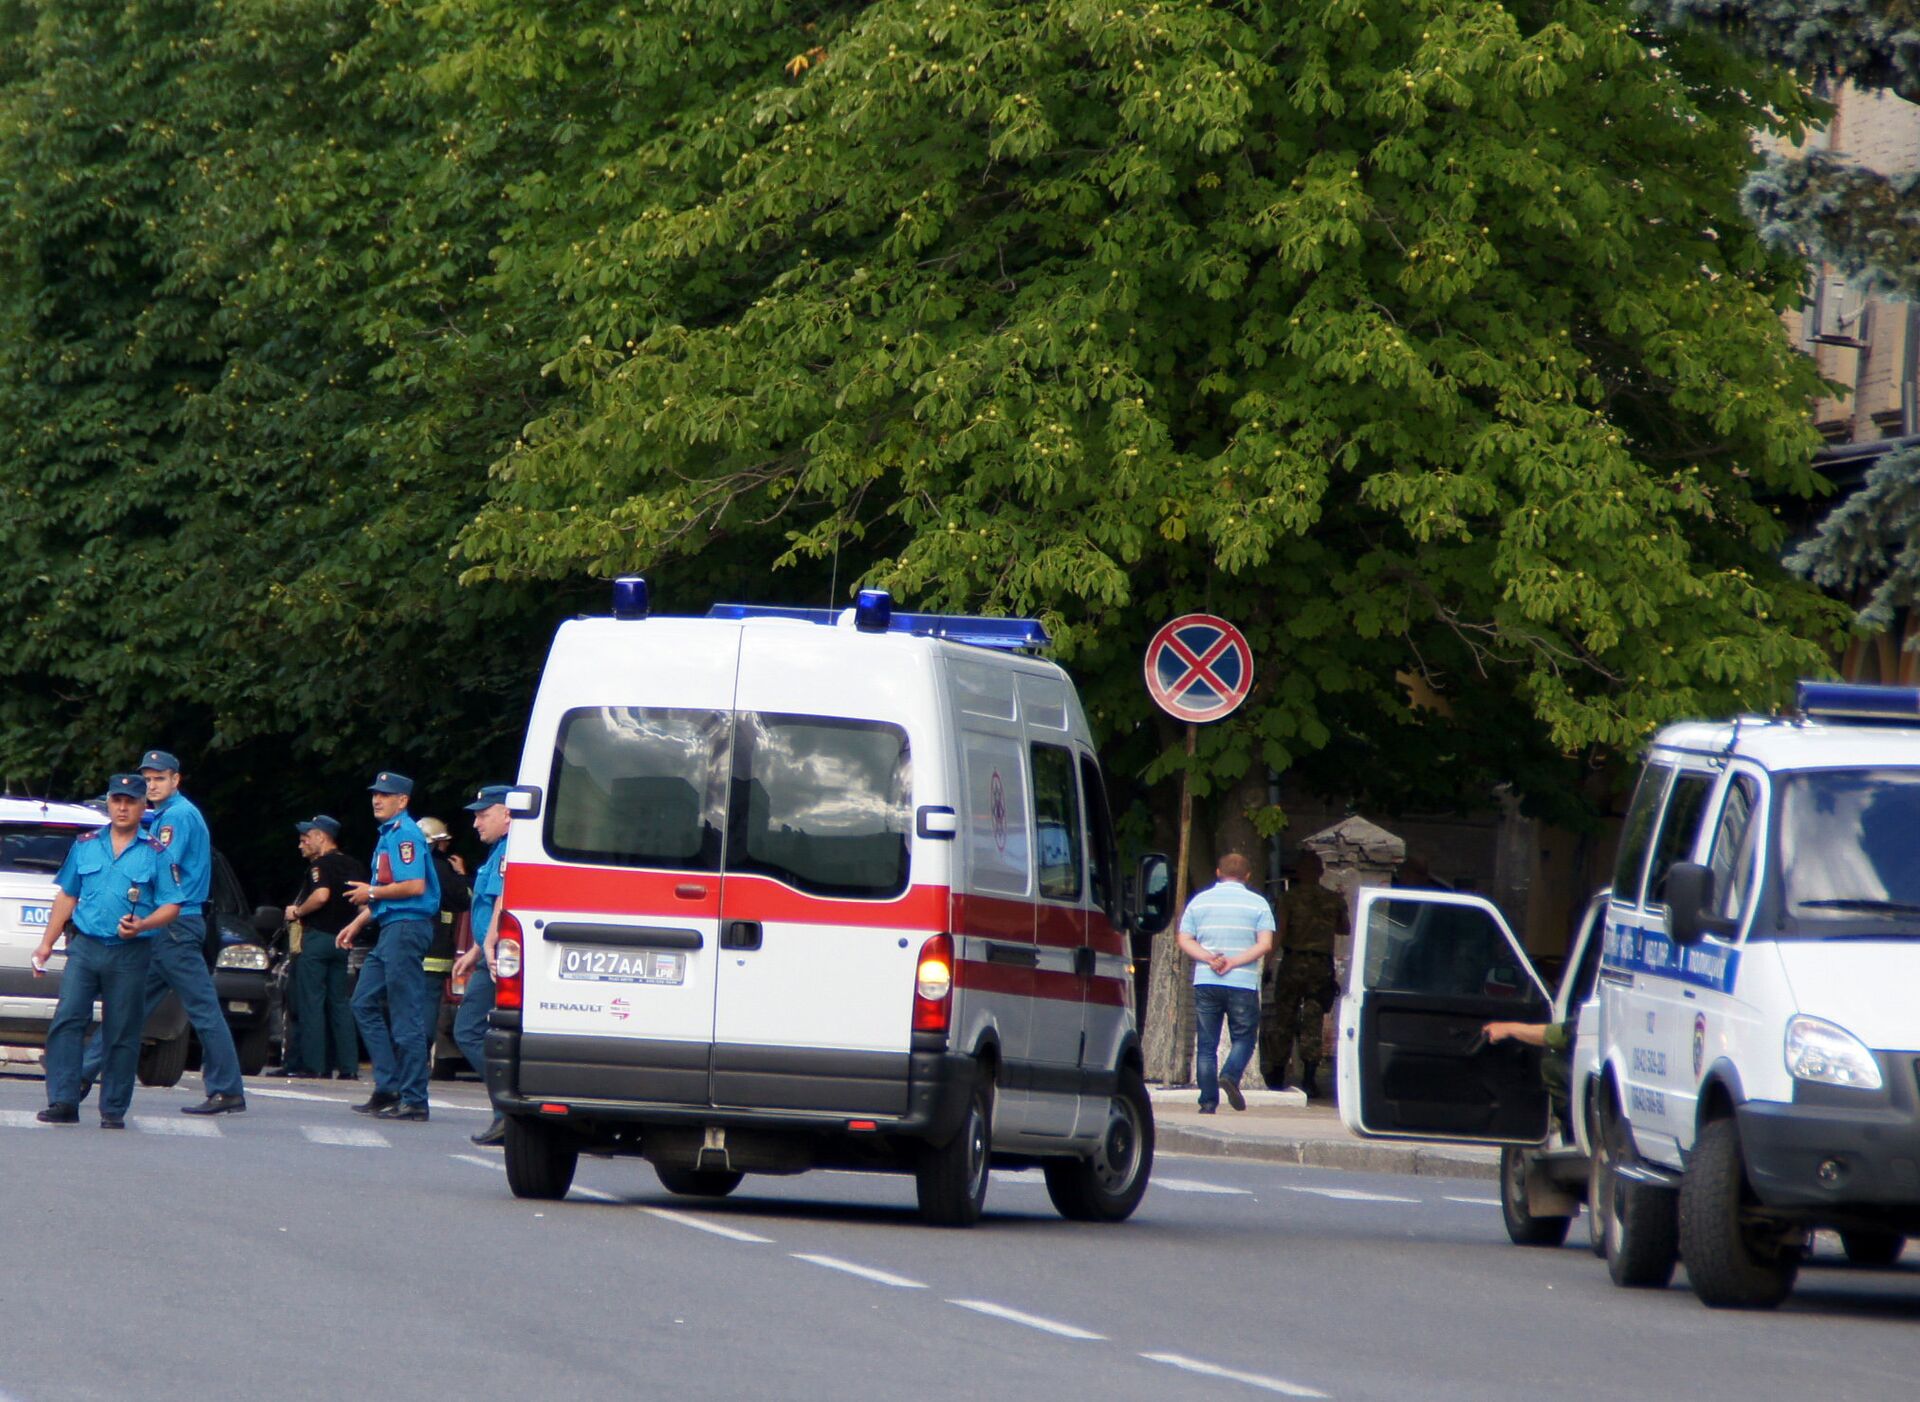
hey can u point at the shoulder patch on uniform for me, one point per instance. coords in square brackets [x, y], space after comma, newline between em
[406, 854]
[165, 836]
[316, 876]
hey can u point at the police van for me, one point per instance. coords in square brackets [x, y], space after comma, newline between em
[1759, 1036]
[1430, 970]
[790, 889]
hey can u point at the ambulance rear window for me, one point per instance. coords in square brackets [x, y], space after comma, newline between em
[826, 804]
[640, 787]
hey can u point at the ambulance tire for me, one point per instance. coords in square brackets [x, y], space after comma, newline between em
[539, 1163]
[697, 1182]
[1873, 1249]
[1108, 1184]
[164, 1063]
[1733, 1264]
[1640, 1231]
[950, 1179]
[1523, 1228]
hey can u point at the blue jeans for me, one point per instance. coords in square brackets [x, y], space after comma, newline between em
[180, 963]
[115, 972]
[470, 1023]
[1241, 1009]
[395, 1004]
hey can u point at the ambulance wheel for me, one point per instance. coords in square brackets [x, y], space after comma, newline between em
[1733, 1260]
[1641, 1238]
[697, 1182]
[1523, 1228]
[1873, 1248]
[951, 1179]
[164, 1063]
[1108, 1184]
[539, 1163]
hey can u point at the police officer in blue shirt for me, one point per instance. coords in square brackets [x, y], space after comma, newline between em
[116, 890]
[490, 820]
[179, 956]
[395, 1002]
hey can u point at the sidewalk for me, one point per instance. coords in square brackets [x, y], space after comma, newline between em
[1281, 1127]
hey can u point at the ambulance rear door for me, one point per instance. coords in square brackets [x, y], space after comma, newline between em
[1430, 970]
[617, 885]
[822, 920]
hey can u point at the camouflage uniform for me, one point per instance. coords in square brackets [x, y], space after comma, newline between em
[1303, 986]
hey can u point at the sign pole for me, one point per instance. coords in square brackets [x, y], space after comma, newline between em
[1182, 1066]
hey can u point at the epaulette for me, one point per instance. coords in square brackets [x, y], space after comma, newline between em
[155, 843]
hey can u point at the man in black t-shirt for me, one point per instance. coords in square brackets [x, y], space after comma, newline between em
[325, 1038]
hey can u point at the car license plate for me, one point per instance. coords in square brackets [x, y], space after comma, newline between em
[584, 961]
[36, 915]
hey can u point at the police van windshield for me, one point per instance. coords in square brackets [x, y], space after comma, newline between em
[1848, 845]
[36, 847]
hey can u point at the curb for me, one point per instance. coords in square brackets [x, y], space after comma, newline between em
[1329, 1153]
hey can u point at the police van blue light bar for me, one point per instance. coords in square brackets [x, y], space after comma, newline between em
[1005, 634]
[1854, 701]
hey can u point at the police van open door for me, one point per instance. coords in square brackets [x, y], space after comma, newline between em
[1430, 970]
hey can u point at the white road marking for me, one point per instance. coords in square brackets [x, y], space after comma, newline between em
[1477, 1202]
[1020, 1175]
[1032, 1321]
[476, 1159]
[345, 1136]
[1194, 1185]
[295, 1095]
[1214, 1370]
[834, 1263]
[595, 1194]
[22, 1119]
[1345, 1194]
[667, 1214]
[190, 1129]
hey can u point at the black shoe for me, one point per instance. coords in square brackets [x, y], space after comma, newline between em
[378, 1101]
[1208, 1109]
[113, 1122]
[1231, 1089]
[217, 1105]
[346, 1075]
[400, 1110]
[60, 1113]
[290, 1073]
[494, 1134]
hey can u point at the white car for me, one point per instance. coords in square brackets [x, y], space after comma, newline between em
[34, 837]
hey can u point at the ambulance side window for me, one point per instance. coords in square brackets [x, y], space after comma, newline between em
[639, 787]
[1733, 843]
[1636, 834]
[1686, 811]
[1103, 859]
[823, 804]
[1056, 822]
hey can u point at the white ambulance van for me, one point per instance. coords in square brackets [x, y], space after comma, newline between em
[1759, 1037]
[790, 889]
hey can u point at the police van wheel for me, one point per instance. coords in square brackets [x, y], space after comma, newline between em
[951, 1179]
[697, 1182]
[1640, 1234]
[1599, 1190]
[1873, 1249]
[164, 1063]
[1108, 1184]
[1733, 1260]
[539, 1163]
[1523, 1228]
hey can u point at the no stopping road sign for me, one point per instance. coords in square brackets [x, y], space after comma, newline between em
[1199, 668]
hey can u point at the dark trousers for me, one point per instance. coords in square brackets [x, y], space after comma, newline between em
[180, 963]
[394, 1004]
[114, 972]
[323, 1016]
[1240, 1009]
[470, 1022]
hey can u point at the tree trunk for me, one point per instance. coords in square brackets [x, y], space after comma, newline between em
[1167, 1039]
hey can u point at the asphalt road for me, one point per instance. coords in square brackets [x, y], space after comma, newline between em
[300, 1251]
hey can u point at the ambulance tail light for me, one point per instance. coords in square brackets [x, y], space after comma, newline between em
[933, 986]
[507, 987]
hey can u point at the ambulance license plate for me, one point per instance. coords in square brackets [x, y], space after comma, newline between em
[583, 961]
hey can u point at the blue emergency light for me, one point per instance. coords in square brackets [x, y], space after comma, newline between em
[873, 612]
[1853, 701]
[630, 597]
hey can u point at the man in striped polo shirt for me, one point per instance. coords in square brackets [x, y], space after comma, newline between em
[1226, 930]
